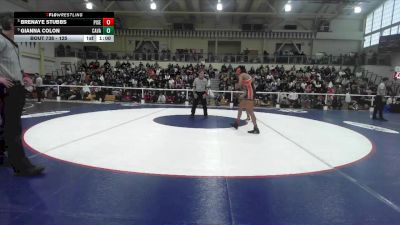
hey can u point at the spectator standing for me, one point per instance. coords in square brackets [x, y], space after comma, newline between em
[39, 88]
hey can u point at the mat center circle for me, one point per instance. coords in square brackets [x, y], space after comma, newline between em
[165, 141]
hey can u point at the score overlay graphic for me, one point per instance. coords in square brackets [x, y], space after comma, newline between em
[64, 26]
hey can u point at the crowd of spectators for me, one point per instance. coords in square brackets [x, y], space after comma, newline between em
[309, 79]
[127, 74]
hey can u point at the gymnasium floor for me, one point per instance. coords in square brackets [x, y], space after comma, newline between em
[109, 164]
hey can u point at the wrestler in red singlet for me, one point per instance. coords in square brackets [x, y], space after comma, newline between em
[246, 99]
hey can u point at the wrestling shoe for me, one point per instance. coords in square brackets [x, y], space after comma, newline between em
[255, 131]
[235, 125]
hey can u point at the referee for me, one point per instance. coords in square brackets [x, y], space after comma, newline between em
[200, 93]
[14, 100]
[379, 103]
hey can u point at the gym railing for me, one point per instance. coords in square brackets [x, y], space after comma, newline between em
[228, 98]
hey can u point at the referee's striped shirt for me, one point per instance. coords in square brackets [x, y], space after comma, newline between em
[200, 85]
[10, 66]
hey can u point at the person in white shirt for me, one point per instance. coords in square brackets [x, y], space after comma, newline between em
[171, 83]
[347, 98]
[85, 90]
[389, 101]
[134, 82]
[102, 79]
[293, 97]
[161, 98]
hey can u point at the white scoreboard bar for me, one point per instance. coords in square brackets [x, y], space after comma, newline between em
[64, 38]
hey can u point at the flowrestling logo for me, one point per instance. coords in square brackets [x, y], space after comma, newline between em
[371, 127]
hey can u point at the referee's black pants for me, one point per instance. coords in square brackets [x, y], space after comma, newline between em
[14, 102]
[379, 104]
[196, 102]
[39, 93]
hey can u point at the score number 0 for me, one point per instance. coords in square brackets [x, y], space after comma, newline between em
[108, 21]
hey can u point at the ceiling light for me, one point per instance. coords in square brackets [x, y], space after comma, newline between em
[357, 9]
[153, 5]
[219, 6]
[288, 7]
[89, 5]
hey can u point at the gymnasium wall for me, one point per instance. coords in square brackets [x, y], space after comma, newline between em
[345, 30]
[395, 59]
[30, 57]
[9, 6]
[335, 47]
[127, 44]
[345, 36]
[384, 71]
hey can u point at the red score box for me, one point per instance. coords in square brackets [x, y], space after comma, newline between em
[396, 76]
[108, 22]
